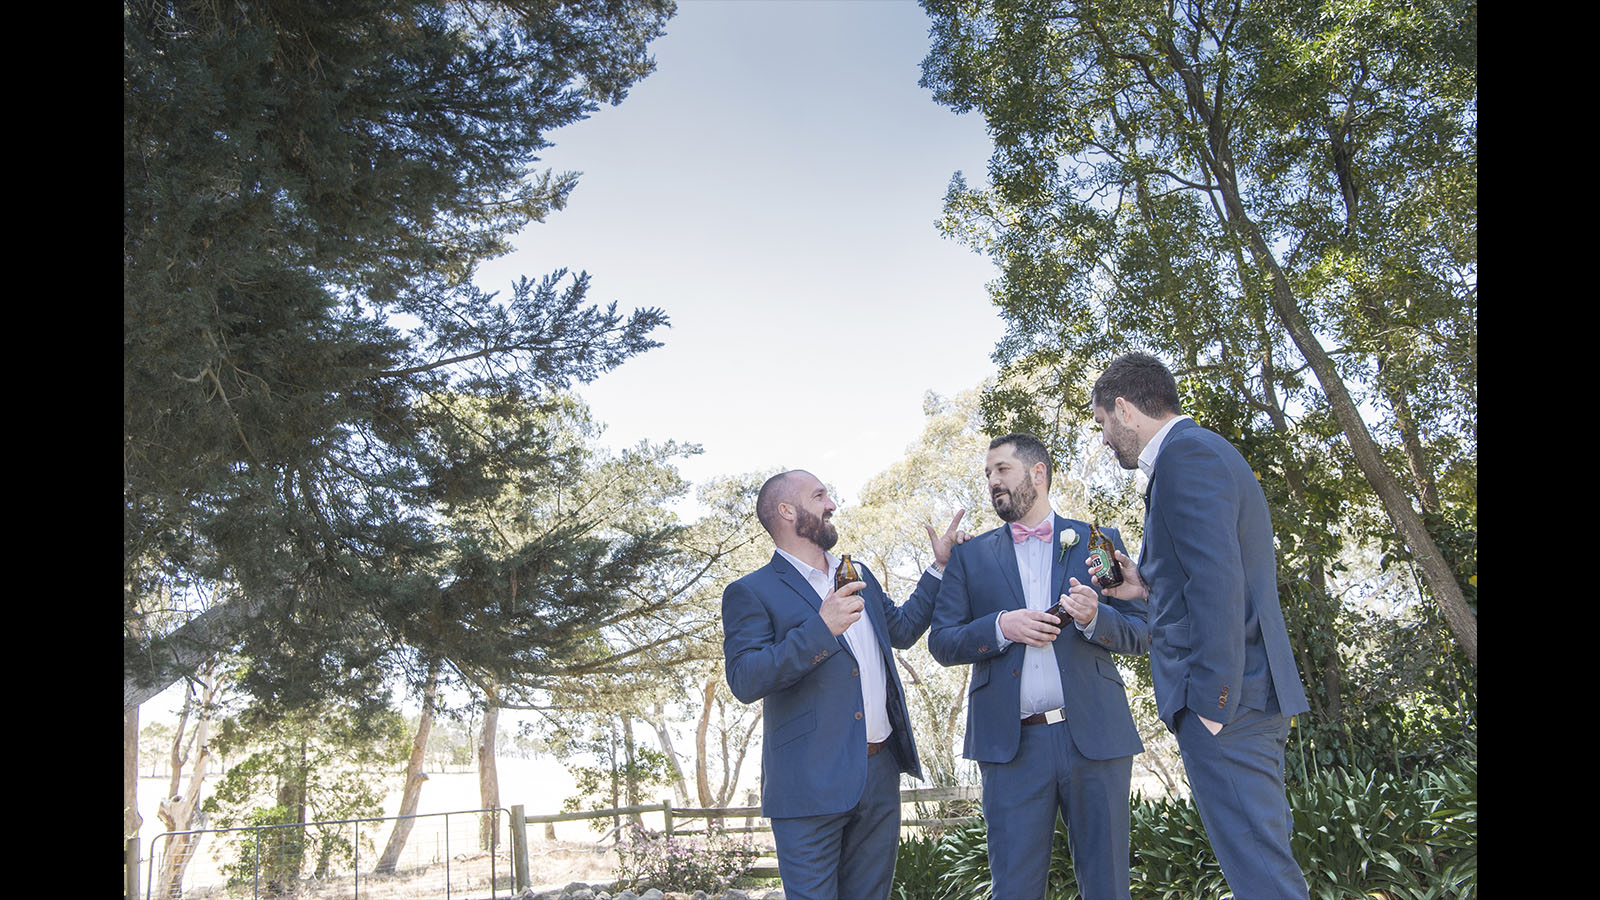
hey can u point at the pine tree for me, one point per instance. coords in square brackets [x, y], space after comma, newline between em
[308, 188]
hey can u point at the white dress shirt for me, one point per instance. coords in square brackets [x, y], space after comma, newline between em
[863, 644]
[1041, 675]
[1147, 456]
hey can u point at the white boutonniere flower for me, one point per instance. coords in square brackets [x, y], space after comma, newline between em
[1068, 539]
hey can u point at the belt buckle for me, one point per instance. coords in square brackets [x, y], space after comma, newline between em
[1053, 716]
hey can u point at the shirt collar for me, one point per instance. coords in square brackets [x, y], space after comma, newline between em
[805, 569]
[1147, 457]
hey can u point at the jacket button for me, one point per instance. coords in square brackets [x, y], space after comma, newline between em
[1015, 673]
[855, 673]
[858, 715]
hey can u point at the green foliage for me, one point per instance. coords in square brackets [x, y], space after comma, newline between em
[311, 766]
[1173, 178]
[1172, 858]
[307, 191]
[917, 873]
[1415, 837]
[712, 863]
[619, 767]
[1355, 834]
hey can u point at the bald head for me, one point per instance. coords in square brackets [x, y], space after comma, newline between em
[777, 489]
[794, 507]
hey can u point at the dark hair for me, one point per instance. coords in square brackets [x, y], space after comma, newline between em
[1140, 379]
[772, 493]
[1029, 449]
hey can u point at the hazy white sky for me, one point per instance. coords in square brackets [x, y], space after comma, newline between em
[774, 186]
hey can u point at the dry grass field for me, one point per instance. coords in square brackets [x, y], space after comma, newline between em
[436, 842]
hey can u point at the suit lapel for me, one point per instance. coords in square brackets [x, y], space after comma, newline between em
[787, 574]
[791, 577]
[1005, 559]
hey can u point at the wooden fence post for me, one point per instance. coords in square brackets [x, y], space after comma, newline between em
[666, 815]
[519, 849]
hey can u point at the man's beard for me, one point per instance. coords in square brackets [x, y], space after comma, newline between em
[1124, 449]
[815, 529]
[1014, 504]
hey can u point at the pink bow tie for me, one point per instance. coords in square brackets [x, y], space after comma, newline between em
[1021, 532]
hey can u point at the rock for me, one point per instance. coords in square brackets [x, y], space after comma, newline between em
[652, 894]
[735, 894]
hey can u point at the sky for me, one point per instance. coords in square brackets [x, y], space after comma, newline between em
[775, 187]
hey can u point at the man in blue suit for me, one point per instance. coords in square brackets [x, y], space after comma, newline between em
[1047, 713]
[1224, 673]
[835, 731]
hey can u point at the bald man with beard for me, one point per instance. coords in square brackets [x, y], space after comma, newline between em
[835, 730]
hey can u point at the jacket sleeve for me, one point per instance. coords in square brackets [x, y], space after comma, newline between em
[955, 638]
[909, 620]
[757, 660]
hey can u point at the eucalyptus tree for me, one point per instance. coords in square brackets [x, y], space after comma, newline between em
[1277, 197]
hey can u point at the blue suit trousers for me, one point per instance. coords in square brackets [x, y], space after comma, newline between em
[1020, 799]
[1236, 777]
[848, 855]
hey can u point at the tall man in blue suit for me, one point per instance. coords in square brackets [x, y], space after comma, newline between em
[1224, 673]
[1047, 713]
[835, 731]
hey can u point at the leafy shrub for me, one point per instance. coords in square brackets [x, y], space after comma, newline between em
[1416, 837]
[1356, 834]
[688, 864]
[1172, 857]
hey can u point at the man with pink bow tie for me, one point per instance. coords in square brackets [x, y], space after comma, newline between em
[1047, 713]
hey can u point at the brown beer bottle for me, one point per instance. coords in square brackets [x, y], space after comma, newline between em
[846, 574]
[1100, 548]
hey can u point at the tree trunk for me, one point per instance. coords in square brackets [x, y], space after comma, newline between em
[630, 769]
[131, 820]
[179, 808]
[412, 794]
[702, 775]
[184, 651]
[488, 775]
[658, 722]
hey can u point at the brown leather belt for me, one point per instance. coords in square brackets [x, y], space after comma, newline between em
[874, 748]
[1048, 717]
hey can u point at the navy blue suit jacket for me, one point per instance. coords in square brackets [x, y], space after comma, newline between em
[778, 650]
[980, 582]
[1217, 633]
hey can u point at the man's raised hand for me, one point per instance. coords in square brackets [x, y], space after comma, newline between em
[943, 543]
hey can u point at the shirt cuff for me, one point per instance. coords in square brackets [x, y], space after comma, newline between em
[934, 571]
[1088, 630]
[1000, 640]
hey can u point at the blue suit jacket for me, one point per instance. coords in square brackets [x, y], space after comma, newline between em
[1217, 633]
[981, 582]
[779, 651]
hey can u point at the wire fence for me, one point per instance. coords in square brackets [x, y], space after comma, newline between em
[478, 853]
[449, 855]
